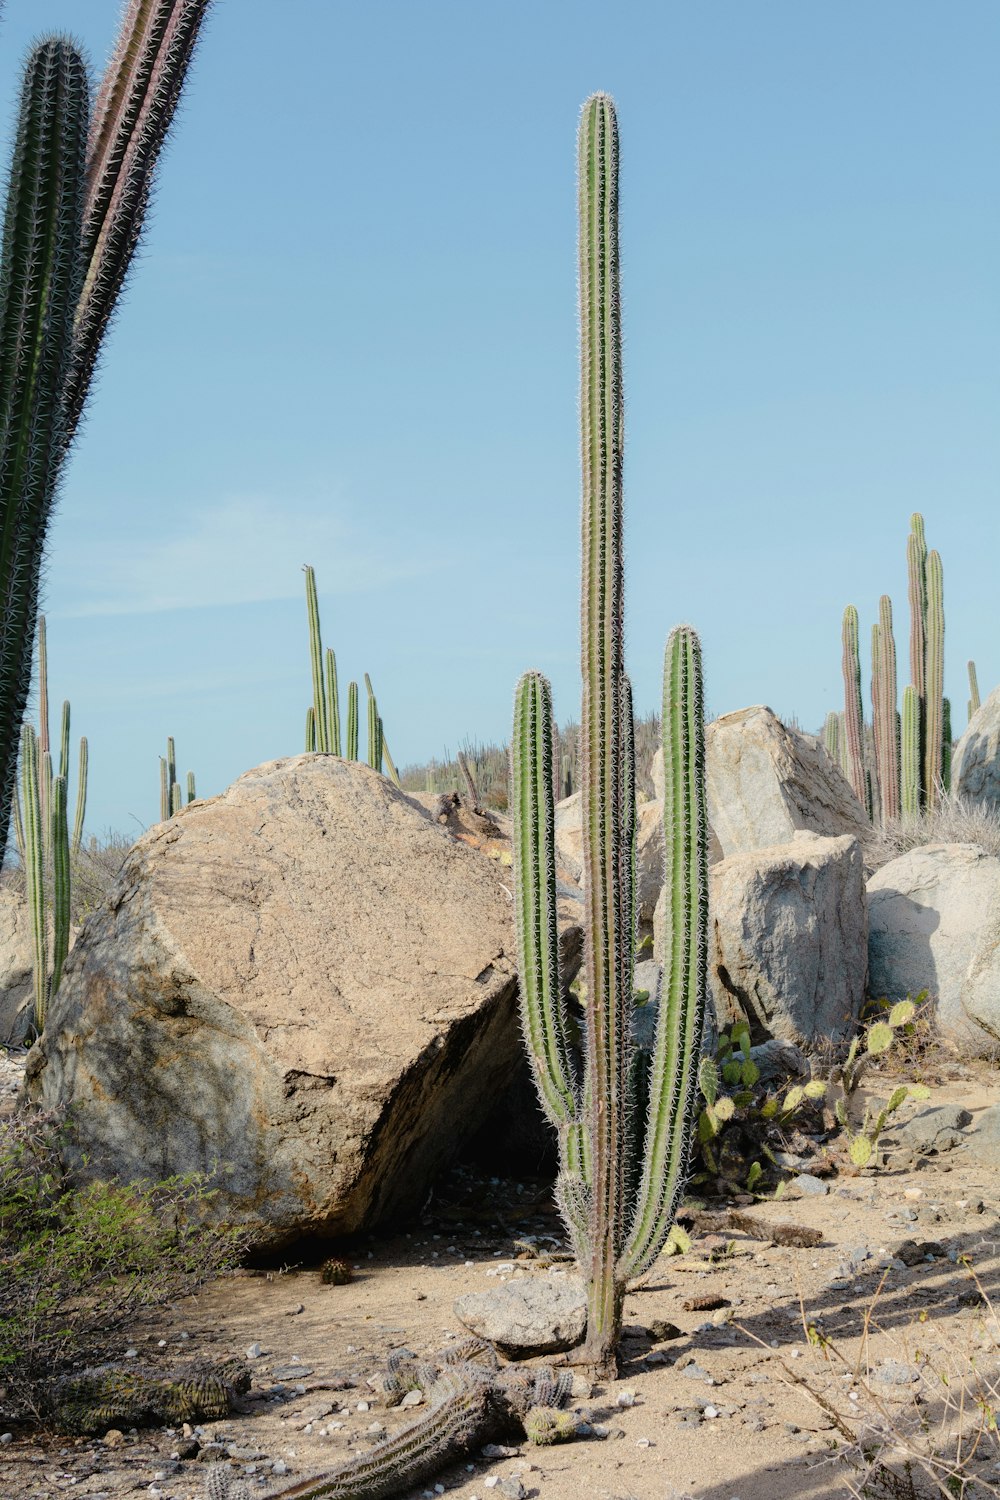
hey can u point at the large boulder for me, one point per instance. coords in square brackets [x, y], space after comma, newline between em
[788, 944]
[304, 989]
[16, 990]
[934, 925]
[17, 993]
[766, 781]
[648, 849]
[975, 764]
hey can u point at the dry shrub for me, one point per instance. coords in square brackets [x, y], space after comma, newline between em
[954, 822]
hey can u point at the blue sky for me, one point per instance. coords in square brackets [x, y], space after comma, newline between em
[351, 341]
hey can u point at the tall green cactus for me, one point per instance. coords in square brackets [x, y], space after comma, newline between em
[616, 1233]
[910, 753]
[853, 714]
[46, 871]
[40, 277]
[73, 219]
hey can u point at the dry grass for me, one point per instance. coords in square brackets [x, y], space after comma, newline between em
[955, 822]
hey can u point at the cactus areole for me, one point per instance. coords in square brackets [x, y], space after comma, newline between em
[616, 1233]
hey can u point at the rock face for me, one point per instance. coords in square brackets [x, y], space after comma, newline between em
[766, 781]
[934, 924]
[788, 943]
[303, 988]
[975, 765]
[16, 998]
[648, 849]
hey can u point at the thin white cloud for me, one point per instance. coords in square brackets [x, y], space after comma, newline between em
[243, 550]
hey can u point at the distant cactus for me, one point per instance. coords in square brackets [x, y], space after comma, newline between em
[910, 753]
[171, 795]
[884, 715]
[352, 721]
[973, 690]
[934, 683]
[853, 716]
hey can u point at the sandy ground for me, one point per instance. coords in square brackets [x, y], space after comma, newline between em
[732, 1403]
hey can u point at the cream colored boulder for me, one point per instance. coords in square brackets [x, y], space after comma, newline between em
[648, 851]
[934, 925]
[16, 994]
[766, 781]
[303, 988]
[975, 765]
[788, 939]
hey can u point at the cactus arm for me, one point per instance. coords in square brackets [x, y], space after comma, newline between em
[175, 797]
[460, 1418]
[910, 753]
[543, 1020]
[916, 572]
[34, 872]
[59, 839]
[831, 737]
[171, 765]
[390, 763]
[333, 700]
[310, 730]
[164, 792]
[374, 728]
[320, 707]
[39, 285]
[946, 745]
[64, 740]
[192, 794]
[133, 112]
[973, 690]
[352, 721]
[853, 719]
[934, 701]
[81, 796]
[43, 687]
[677, 1044]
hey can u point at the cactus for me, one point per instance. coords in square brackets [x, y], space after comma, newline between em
[946, 745]
[133, 111]
[171, 795]
[884, 710]
[616, 1233]
[831, 737]
[853, 718]
[46, 858]
[323, 717]
[934, 683]
[40, 274]
[910, 753]
[973, 690]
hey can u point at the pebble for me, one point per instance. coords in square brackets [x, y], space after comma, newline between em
[254, 1352]
[279, 1466]
[6, 1437]
[807, 1183]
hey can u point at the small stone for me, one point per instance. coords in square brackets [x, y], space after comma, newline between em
[279, 1466]
[254, 1352]
[6, 1437]
[412, 1398]
[625, 1398]
[709, 1412]
[512, 1489]
[807, 1183]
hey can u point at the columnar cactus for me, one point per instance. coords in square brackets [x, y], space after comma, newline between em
[910, 753]
[884, 716]
[171, 793]
[853, 716]
[40, 276]
[74, 215]
[973, 704]
[934, 683]
[46, 871]
[616, 1233]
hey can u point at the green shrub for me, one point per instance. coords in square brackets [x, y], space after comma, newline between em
[82, 1263]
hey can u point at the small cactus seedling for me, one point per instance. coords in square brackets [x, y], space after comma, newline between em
[336, 1273]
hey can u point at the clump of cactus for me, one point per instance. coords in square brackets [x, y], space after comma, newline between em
[47, 849]
[618, 1216]
[171, 795]
[78, 188]
[323, 724]
[901, 765]
[336, 1272]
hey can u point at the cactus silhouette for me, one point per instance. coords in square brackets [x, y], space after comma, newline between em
[618, 1220]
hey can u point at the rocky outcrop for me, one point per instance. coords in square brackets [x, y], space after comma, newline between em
[788, 939]
[304, 989]
[766, 781]
[16, 997]
[648, 850]
[934, 925]
[975, 765]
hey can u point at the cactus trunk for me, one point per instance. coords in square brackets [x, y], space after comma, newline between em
[884, 711]
[853, 716]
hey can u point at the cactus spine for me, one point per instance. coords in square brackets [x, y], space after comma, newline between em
[853, 720]
[616, 1234]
